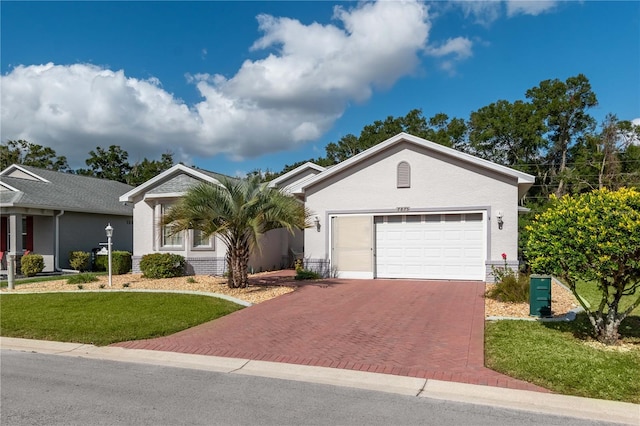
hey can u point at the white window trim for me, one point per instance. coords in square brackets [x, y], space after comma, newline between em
[210, 247]
[181, 235]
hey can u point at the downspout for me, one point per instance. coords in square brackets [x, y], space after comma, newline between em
[57, 253]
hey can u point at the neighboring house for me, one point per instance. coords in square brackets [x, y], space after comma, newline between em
[52, 213]
[410, 208]
[203, 255]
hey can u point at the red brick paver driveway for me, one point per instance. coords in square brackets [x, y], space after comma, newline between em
[427, 329]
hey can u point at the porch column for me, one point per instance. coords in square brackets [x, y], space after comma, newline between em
[157, 229]
[15, 232]
[15, 246]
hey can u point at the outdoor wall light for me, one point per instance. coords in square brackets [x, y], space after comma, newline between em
[316, 221]
[500, 221]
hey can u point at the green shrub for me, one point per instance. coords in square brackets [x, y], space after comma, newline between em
[511, 287]
[305, 274]
[120, 262]
[31, 264]
[81, 279]
[79, 260]
[162, 265]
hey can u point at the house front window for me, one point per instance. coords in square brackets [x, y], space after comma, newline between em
[200, 241]
[170, 240]
[27, 234]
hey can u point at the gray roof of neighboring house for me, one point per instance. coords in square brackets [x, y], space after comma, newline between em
[64, 191]
[172, 182]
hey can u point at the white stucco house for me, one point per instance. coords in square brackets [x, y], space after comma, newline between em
[203, 255]
[410, 208]
[405, 208]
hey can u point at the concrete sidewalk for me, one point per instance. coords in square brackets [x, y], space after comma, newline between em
[545, 403]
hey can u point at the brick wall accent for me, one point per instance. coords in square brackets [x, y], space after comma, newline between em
[320, 266]
[194, 265]
[498, 264]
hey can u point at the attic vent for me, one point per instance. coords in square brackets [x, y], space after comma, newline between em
[404, 175]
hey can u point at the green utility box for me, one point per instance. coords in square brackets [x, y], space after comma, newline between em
[540, 296]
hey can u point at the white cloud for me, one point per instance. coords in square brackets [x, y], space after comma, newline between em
[529, 7]
[290, 96]
[459, 47]
[75, 108]
[485, 12]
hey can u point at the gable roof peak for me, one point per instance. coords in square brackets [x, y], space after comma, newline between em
[30, 171]
[176, 169]
[522, 178]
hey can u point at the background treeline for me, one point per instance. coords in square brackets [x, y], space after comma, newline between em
[109, 164]
[550, 134]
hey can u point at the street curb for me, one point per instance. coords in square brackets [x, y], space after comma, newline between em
[552, 404]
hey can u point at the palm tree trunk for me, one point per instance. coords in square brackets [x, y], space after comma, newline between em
[238, 261]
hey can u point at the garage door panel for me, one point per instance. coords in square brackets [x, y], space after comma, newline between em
[473, 252]
[435, 246]
[433, 252]
[412, 253]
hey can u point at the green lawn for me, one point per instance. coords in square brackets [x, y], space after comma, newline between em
[42, 279]
[105, 318]
[590, 292]
[560, 356]
[552, 356]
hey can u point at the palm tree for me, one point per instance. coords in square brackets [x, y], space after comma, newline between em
[239, 211]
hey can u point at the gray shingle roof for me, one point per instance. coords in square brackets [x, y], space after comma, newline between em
[65, 191]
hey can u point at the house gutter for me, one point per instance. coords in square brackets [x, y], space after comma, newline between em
[57, 254]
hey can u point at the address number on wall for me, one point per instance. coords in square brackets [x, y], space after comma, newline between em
[402, 209]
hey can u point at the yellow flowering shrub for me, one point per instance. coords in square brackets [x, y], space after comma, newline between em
[593, 237]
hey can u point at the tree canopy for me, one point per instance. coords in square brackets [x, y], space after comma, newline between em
[31, 154]
[592, 237]
[109, 164]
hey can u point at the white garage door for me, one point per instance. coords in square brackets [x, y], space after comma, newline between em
[434, 246]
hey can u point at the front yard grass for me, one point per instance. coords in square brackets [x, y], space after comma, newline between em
[41, 279]
[562, 357]
[555, 356]
[105, 318]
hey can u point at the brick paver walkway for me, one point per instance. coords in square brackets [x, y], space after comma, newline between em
[427, 329]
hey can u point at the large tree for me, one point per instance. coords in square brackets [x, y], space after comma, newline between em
[31, 154]
[563, 106]
[592, 237]
[108, 164]
[239, 212]
[507, 133]
[607, 159]
[146, 169]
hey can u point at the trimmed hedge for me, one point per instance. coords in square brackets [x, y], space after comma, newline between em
[162, 265]
[31, 264]
[79, 260]
[120, 262]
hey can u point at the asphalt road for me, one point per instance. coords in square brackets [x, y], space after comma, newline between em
[39, 389]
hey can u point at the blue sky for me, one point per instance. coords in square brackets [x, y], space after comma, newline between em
[235, 86]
